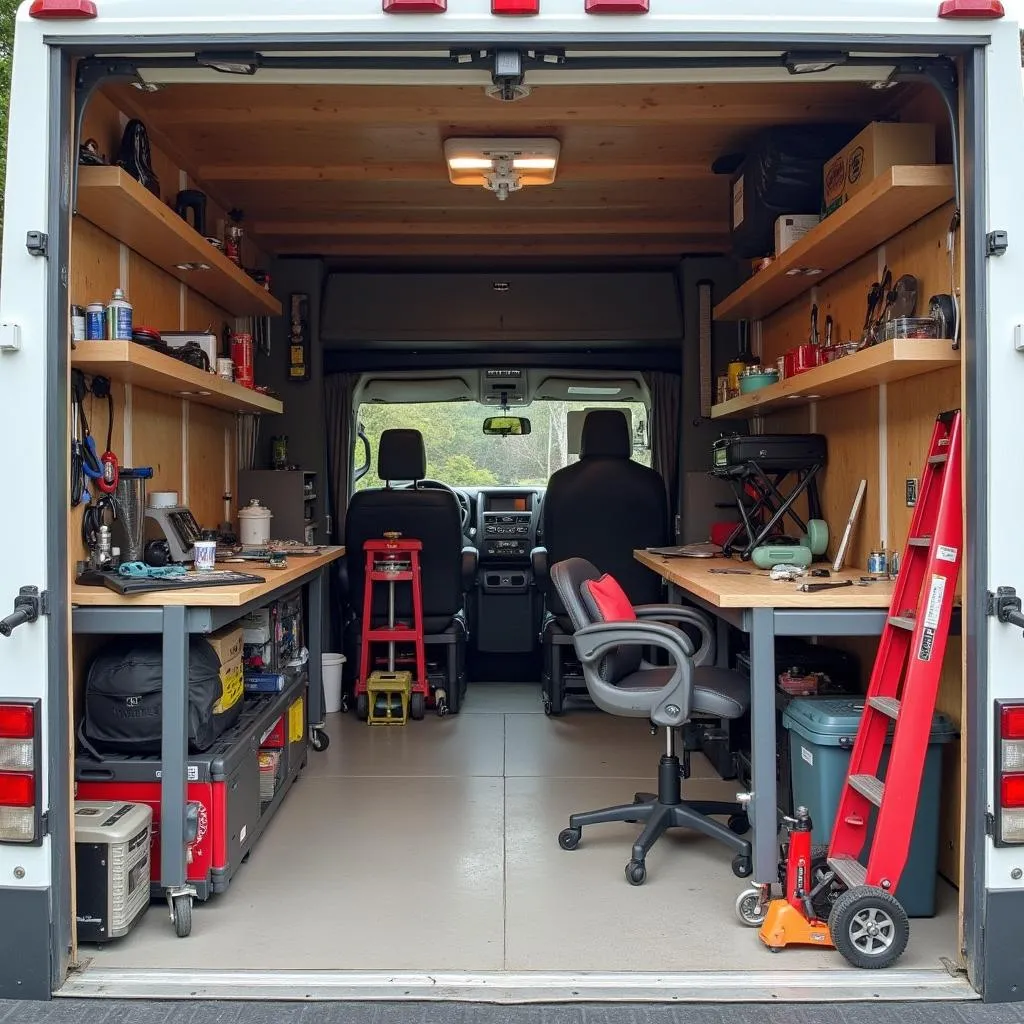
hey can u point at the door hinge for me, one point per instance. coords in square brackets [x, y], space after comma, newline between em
[990, 823]
[37, 243]
[996, 243]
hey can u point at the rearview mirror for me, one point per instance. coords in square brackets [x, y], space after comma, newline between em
[507, 426]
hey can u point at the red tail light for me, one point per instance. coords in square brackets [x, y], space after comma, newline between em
[17, 722]
[971, 9]
[415, 6]
[20, 767]
[617, 6]
[1011, 722]
[515, 6]
[17, 789]
[63, 9]
[1011, 791]
[1009, 816]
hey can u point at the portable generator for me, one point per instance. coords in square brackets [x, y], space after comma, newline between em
[113, 867]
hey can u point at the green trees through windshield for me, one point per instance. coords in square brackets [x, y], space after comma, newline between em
[460, 455]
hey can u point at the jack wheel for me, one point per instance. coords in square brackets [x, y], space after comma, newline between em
[417, 707]
[319, 740]
[569, 838]
[181, 913]
[363, 707]
[742, 866]
[636, 872]
[749, 909]
[869, 927]
[739, 823]
[345, 706]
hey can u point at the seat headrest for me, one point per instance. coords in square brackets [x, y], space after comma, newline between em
[605, 435]
[401, 455]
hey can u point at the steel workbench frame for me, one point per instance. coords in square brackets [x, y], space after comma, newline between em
[176, 623]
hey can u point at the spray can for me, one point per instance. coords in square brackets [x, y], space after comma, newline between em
[95, 321]
[119, 317]
[78, 323]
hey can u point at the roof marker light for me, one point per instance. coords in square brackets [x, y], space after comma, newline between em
[617, 6]
[63, 9]
[515, 6]
[971, 9]
[415, 6]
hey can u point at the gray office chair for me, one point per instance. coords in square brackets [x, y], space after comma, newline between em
[610, 636]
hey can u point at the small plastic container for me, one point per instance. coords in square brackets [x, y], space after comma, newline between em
[911, 327]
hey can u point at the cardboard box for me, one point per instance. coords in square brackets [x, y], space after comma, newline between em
[791, 227]
[880, 146]
[228, 645]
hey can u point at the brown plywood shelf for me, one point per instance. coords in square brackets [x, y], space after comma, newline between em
[892, 202]
[116, 203]
[880, 364]
[132, 363]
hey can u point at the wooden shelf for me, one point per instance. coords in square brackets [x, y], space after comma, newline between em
[885, 362]
[892, 202]
[116, 203]
[135, 364]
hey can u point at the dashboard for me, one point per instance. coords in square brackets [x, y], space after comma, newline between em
[504, 522]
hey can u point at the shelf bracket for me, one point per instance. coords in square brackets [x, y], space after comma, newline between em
[92, 73]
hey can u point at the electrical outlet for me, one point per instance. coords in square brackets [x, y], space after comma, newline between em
[911, 492]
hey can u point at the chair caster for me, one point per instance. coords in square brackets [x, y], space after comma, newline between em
[750, 908]
[319, 740]
[569, 838]
[739, 823]
[440, 703]
[636, 872]
[742, 866]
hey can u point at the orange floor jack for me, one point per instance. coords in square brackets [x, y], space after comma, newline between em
[840, 898]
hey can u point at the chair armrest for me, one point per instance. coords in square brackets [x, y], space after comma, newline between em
[470, 559]
[667, 705]
[539, 562]
[674, 613]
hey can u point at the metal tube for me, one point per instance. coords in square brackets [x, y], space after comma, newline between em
[762, 742]
[174, 748]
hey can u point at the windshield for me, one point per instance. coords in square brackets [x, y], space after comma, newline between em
[460, 455]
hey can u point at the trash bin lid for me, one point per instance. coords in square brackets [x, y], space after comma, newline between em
[833, 722]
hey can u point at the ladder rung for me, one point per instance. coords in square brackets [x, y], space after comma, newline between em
[851, 872]
[920, 542]
[936, 460]
[889, 706]
[902, 621]
[868, 786]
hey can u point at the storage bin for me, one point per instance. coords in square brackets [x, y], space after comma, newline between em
[822, 735]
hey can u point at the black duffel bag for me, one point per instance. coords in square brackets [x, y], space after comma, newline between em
[123, 695]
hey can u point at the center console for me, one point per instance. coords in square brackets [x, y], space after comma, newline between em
[507, 526]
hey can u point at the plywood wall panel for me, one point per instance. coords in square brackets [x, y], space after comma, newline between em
[203, 315]
[206, 457]
[922, 250]
[155, 295]
[157, 438]
[95, 264]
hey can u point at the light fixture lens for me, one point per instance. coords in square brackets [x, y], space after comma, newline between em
[544, 163]
[470, 163]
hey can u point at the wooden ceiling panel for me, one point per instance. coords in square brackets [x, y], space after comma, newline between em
[359, 170]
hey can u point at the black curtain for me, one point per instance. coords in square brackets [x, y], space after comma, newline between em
[666, 402]
[340, 429]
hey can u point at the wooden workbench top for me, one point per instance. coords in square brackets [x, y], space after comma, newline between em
[758, 590]
[213, 597]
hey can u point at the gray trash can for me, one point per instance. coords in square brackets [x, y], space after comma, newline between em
[822, 735]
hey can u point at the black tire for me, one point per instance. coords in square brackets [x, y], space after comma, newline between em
[636, 872]
[417, 707]
[319, 740]
[742, 866]
[569, 838]
[739, 823]
[869, 927]
[363, 707]
[182, 906]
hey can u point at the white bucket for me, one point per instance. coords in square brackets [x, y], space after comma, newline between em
[332, 681]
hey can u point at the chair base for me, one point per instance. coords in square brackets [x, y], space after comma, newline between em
[668, 810]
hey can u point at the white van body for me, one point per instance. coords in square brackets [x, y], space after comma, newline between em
[34, 880]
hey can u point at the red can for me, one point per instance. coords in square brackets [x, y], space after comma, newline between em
[241, 356]
[801, 359]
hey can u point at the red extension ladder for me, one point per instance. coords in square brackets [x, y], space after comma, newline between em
[905, 679]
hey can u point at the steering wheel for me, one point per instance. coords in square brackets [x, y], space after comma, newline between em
[461, 498]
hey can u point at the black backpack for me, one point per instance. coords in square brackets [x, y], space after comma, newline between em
[123, 694]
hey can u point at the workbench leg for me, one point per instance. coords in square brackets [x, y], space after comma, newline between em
[763, 813]
[316, 649]
[174, 749]
[721, 643]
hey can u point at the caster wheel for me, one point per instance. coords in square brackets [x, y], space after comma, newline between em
[742, 866]
[569, 838]
[636, 872]
[869, 927]
[739, 823]
[363, 707]
[320, 740]
[749, 909]
[181, 912]
[345, 706]
[417, 707]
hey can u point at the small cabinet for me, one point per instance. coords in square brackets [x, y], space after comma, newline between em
[290, 494]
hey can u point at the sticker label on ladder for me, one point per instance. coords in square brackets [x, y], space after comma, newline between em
[947, 554]
[931, 617]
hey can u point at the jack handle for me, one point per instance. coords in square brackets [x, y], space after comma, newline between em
[1006, 606]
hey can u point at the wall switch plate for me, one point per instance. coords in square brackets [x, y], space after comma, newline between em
[10, 337]
[1018, 337]
[911, 492]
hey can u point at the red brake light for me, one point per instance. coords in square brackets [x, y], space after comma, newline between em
[17, 722]
[971, 9]
[515, 6]
[1011, 791]
[63, 9]
[1011, 722]
[17, 789]
[617, 6]
[415, 6]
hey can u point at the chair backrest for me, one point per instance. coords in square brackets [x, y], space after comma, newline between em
[604, 506]
[429, 515]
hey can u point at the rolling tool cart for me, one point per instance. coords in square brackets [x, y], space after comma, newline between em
[392, 696]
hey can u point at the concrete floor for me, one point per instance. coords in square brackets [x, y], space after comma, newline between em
[433, 847]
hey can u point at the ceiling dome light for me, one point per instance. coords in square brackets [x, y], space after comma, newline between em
[502, 166]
